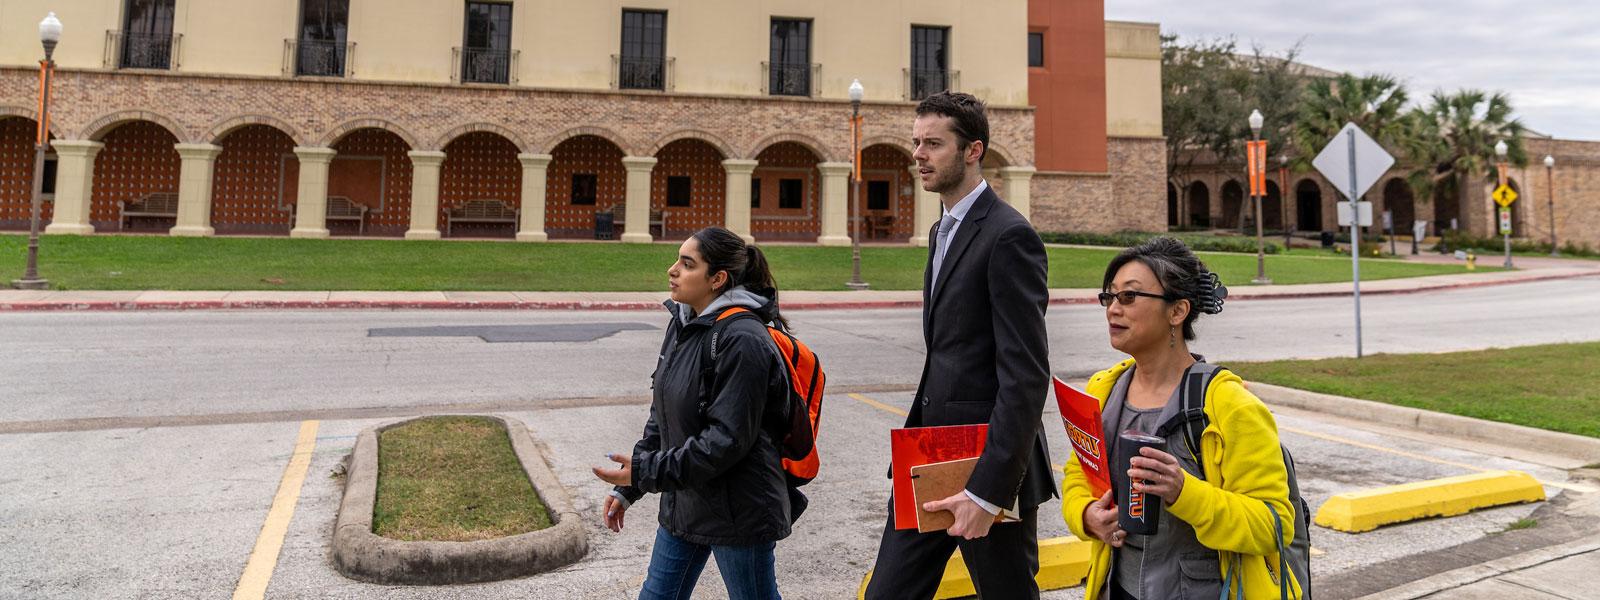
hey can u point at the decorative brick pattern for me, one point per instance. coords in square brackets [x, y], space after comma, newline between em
[16, 174]
[1131, 198]
[138, 160]
[786, 160]
[585, 154]
[702, 164]
[254, 184]
[372, 169]
[888, 163]
[480, 165]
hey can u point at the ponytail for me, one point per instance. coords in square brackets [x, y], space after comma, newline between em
[745, 264]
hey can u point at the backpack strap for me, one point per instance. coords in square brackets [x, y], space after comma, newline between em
[1191, 417]
[708, 350]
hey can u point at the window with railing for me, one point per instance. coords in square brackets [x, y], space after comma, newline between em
[486, 55]
[930, 68]
[322, 48]
[643, 63]
[790, 72]
[146, 40]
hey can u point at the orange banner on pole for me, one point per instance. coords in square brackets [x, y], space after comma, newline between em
[1256, 157]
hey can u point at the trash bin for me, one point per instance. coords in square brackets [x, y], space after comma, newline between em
[605, 225]
[1327, 239]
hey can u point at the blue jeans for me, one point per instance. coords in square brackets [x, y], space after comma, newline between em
[675, 567]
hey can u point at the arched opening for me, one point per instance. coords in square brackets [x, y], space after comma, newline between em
[1172, 205]
[17, 137]
[139, 166]
[585, 177]
[1272, 209]
[888, 195]
[1516, 211]
[1308, 205]
[1232, 205]
[481, 180]
[1401, 204]
[256, 182]
[689, 187]
[371, 170]
[784, 194]
[1199, 205]
[1447, 205]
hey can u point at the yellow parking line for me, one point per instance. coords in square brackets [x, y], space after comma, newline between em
[258, 571]
[879, 405]
[1423, 457]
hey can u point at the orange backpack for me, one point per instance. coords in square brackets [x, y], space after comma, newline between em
[806, 380]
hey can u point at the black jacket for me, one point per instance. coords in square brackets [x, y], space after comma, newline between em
[988, 356]
[714, 456]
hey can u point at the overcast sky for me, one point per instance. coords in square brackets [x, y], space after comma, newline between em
[1544, 53]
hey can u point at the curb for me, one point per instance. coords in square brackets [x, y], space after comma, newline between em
[1466, 576]
[361, 555]
[1369, 509]
[1086, 298]
[1565, 444]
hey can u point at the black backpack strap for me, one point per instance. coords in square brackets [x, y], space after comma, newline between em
[708, 351]
[1191, 418]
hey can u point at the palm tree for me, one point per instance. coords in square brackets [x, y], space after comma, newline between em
[1375, 103]
[1464, 127]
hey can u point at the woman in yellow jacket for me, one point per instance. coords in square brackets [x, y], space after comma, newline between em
[1210, 526]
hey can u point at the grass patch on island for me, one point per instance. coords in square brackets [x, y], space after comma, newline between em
[110, 262]
[452, 479]
[1551, 387]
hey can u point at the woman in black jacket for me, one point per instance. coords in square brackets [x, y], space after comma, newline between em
[710, 446]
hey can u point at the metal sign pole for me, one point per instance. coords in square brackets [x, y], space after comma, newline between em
[1355, 238]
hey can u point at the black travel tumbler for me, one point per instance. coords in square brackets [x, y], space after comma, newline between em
[1137, 512]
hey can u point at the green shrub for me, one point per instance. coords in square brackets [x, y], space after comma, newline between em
[1456, 239]
[1125, 239]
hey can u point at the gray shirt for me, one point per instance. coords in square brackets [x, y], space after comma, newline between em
[1130, 557]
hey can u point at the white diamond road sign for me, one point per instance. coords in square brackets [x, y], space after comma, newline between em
[1371, 161]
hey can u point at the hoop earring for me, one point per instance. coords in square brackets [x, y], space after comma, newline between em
[1172, 337]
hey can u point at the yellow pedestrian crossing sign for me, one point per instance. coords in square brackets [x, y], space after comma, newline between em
[1504, 195]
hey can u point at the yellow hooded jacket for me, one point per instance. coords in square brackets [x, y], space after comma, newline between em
[1227, 509]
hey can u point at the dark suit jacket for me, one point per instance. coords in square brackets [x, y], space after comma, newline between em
[988, 358]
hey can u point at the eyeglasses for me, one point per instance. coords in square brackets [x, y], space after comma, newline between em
[1126, 297]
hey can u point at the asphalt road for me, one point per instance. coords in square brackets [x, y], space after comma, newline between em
[143, 450]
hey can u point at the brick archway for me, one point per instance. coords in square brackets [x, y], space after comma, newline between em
[480, 165]
[138, 163]
[256, 181]
[455, 133]
[690, 185]
[585, 176]
[103, 126]
[371, 169]
[889, 197]
[785, 194]
[343, 130]
[222, 130]
[723, 148]
[17, 138]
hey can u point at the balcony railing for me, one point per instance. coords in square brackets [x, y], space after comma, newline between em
[317, 58]
[921, 83]
[484, 65]
[635, 73]
[130, 50]
[790, 79]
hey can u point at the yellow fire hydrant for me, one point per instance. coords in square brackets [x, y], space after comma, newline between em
[1472, 261]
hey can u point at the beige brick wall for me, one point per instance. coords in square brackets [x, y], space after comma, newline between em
[200, 109]
[1132, 197]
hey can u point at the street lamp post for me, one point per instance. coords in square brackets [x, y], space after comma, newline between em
[1256, 121]
[1283, 197]
[1500, 156]
[856, 93]
[49, 34]
[1550, 183]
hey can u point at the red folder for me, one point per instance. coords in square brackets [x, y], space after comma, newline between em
[1080, 414]
[917, 446]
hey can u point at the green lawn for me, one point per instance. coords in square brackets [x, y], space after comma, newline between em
[452, 479]
[236, 263]
[1550, 387]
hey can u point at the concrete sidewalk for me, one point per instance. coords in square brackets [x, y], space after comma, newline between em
[1558, 572]
[43, 300]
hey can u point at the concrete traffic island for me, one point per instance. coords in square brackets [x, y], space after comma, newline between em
[364, 556]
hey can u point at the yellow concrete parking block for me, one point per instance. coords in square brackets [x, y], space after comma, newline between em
[1369, 509]
[1063, 562]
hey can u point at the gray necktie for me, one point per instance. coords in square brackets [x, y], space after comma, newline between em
[945, 225]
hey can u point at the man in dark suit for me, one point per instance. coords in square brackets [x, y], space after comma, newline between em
[984, 298]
